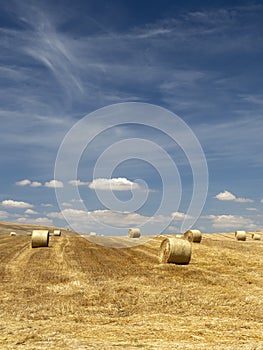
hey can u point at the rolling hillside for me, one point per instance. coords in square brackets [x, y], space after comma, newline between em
[76, 294]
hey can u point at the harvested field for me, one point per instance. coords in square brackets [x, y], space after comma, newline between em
[79, 295]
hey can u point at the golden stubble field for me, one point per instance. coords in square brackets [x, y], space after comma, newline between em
[79, 295]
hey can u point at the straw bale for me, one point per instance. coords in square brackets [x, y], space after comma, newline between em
[194, 236]
[40, 238]
[256, 236]
[56, 233]
[240, 235]
[134, 232]
[177, 251]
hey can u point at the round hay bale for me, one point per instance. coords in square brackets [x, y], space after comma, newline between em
[56, 233]
[256, 237]
[240, 235]
[134, 233]
[40, 238]
[12, 233]
[176, 251]
[194, 236]
[29, 233]
[93, 234]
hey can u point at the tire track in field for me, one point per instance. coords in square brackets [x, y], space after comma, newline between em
[15, 267]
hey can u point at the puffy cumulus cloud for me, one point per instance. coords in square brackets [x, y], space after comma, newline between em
[3, 214]
[173, 229]
[9, 203]
[82, 218]
[114, 184]
[121, 219]
[225, 196]
[35, 184]
[36, 221]
[54, 184]
[231, 221]
[180, 216]
[65, 204]
[24, 182]
[31, 212]
[30, 183]
[261, 200]
[55, 215]
[78, 183]
[228, 196]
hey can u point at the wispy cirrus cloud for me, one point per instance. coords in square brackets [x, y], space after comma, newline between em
[58, 73]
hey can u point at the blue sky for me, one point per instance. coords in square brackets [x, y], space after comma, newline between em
[201, 60]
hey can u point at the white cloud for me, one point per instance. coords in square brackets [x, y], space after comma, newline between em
[114, 184]
[47, 205]
[180, 216]
[82, 218]
[261, 200]
[27, 182]
[9, 203]
[173, 229]
[231, 221]
[65, 204]
[24, 182]
[252, 209]
[244, 200]
[35, 184]
[78, 183]
[3, 214]
[77, 200]
[55, 215]
[228, 196]
[105, 216]
[225, 196]
[54, 184]
[31, 212]
[37, 221]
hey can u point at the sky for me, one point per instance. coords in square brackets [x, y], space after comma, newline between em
[118, 114]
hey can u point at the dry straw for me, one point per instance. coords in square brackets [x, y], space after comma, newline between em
[134, 232]
[56, 233]
[256, 236]
[177, 251]
[12, 233]
[240, 235]
[193, 236]
[29, 233]
[40, 238]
